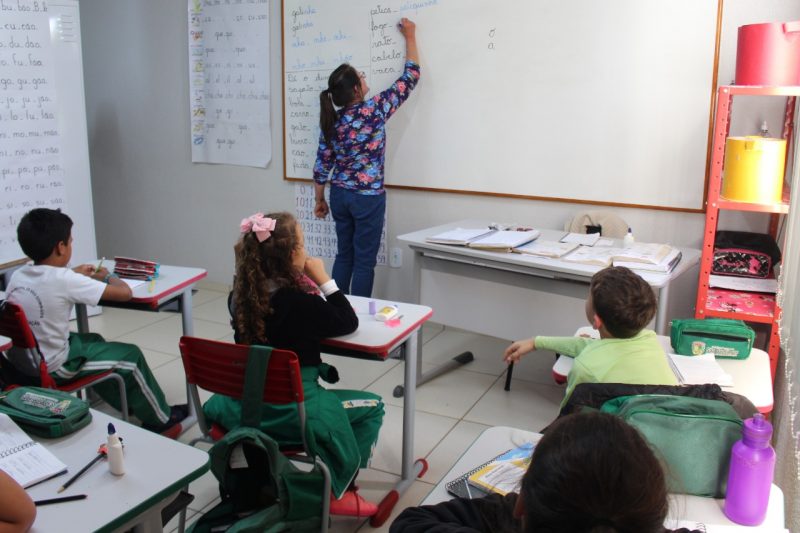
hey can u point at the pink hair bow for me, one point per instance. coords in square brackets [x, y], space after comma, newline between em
[260, 225]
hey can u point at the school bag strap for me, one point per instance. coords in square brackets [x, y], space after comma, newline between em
[257, 364]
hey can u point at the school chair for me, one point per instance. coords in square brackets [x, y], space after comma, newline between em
[25, 353]
[219, 367]
[609, 224]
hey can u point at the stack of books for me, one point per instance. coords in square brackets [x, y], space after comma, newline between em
[641, 256]
[126, 267]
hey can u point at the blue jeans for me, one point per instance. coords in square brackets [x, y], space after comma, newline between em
[359, 223]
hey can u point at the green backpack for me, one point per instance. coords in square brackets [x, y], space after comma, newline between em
[693, 436]
[45, 412]
[261, 490]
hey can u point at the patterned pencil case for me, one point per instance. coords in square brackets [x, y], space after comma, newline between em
[743, 253]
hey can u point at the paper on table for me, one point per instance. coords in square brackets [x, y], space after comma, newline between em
[585, 239]
[459, 236]
[133, 283]
[24, 459]
[546, 248]
[699, 369]
[504, 240]
[744, 284]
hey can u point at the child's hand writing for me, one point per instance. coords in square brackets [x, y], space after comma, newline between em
[315, 269]
[517, 349]
[101, 274]
[86, 270]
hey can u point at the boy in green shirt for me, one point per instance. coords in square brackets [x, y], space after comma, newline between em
[619, 306]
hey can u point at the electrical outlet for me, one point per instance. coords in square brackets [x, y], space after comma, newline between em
[396, 258]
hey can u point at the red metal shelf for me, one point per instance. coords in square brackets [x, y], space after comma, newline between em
[760, 90]
[738, 316]
[730, 205]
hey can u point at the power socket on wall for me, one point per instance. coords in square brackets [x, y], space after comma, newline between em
[396, 258]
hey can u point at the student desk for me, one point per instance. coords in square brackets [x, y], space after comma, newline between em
[497, 440]
[173, 284]
[751, 376]
[376, 340]
[156, 467]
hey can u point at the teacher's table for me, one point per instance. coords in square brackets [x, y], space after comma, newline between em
[751, 377]
[513, 296]
[376, 340]
[156, 469]
[496, 440]
[173, 284]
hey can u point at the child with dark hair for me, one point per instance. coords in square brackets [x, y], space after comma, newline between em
[590, 473]
[277, 300]
[351, 153]
[47, 290]
[619, 306]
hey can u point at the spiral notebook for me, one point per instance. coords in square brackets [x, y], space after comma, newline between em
[24, 459]
[464, 488]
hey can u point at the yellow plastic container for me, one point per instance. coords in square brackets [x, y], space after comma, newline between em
[754, 168]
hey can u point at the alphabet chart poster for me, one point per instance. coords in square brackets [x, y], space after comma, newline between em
[229, 82]
[31, 169]
[320, 233]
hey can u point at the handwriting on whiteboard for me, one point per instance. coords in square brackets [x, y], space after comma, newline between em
[31, 169]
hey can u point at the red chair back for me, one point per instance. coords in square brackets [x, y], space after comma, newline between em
[14, 325]
[220, 367]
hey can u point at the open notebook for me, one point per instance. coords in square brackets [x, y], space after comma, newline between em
[24, 459]
[502, 474]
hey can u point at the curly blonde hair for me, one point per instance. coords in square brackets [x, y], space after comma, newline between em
[261, 268]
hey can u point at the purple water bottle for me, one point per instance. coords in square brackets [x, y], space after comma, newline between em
[750, 475]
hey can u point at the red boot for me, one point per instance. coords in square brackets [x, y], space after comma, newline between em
[352, 504]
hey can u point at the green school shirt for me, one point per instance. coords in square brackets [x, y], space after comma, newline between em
[639, 360]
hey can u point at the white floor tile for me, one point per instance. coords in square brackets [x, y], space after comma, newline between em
[429, 430]
[430, 330]
[536, 367]
[203, 296]
[213, 286]
[451, 394]
[156, 359]
[488, 351]
[527, 405]
[451, 448]
[112, 322]
[358, 374]
[163, 336]
[172, 525]
[214, 311]
[172, 380]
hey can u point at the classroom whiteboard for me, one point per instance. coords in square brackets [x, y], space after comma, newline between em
[44, 155]
[587, 100]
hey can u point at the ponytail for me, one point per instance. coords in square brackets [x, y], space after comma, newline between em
[327, 114]
[341, 91]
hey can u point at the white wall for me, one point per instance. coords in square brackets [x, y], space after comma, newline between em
[151, 201]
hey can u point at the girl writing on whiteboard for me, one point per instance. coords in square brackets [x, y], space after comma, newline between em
[351, 153]
[277, 300]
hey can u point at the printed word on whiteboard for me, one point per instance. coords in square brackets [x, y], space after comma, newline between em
[320, 233]
[31, 168]
[229, 82]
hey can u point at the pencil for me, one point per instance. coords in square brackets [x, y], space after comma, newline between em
[71, 480]
[63, 499]
[152, 284]
[99, 266]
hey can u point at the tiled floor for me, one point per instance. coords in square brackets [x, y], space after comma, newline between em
[451, 411]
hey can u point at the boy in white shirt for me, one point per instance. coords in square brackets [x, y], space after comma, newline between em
[47, 290]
